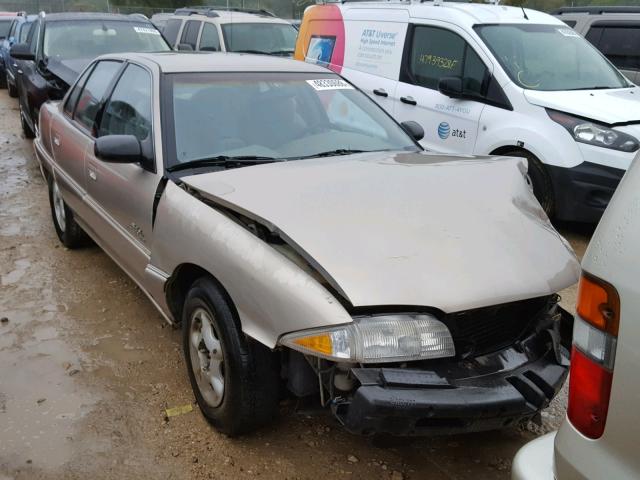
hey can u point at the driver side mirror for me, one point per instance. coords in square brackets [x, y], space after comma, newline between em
[119, 149]
[20, 51]
[414, 129]
[450, 86]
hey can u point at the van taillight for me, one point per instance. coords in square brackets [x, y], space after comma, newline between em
[595, 335]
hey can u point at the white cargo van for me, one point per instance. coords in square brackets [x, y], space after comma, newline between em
[490, 79]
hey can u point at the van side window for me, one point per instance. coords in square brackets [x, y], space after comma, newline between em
[438, 53]
[171, 30]
[209, 40]
[620, 44]
[190, 33]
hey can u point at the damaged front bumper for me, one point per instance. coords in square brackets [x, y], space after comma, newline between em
[487, 392]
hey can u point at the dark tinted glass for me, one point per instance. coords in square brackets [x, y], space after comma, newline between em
[190, 33]
[12, 30]
[72, 99]
[171, 30]
[5, 25]
[209, 40]
[93, 93]
[571, 23]
[475, 73]
[436, 53]
[129, 109]
[621, 45]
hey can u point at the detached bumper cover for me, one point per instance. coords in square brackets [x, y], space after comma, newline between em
[485, 393]
[583, 192]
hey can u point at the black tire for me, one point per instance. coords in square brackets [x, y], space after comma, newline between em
[69, 232]
[26, 129]
[540, 179]
[249, 397]
[3, 80]
[13, 90]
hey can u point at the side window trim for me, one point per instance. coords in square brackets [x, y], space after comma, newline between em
[103, 100]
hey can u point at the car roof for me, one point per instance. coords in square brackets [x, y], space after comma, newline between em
[177, 62]
[225, 16]
[463, 14]
[54, 17]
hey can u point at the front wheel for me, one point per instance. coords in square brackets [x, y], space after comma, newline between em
[234, 379]
[540, 180]
[69, 232]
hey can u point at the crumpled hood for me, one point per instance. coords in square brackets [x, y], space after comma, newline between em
[407, 229]
[67, 70]
[605, 106]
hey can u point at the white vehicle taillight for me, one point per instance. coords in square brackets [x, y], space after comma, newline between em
[595, 334]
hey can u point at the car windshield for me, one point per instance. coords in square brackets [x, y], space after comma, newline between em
[24, 31]
[549, 57]
[271, 38]
[275, 116]
[5, 25]
[72, 39]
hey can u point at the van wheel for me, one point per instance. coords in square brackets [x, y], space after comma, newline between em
[69, 232]
[235, 380]
[540, 180]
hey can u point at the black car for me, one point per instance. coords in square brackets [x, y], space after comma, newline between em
[61, 45]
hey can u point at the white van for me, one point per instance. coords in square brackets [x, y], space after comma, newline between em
[490, 79]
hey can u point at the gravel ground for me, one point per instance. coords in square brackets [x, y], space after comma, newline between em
[88, 367]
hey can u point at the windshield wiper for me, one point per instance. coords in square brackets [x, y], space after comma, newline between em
[598, 87]
[223, 161]
[281, 52]
[335, 153]
[259, 52]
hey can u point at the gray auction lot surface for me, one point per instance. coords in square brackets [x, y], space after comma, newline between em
[88, 367]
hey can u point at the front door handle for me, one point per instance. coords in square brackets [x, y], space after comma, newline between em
[56, 141]
[20, 72]
[408, 100]
[93, 175]
[381, 92]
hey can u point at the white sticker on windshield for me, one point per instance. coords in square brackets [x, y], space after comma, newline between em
[329, 84]
[568, 32]
[151, 31]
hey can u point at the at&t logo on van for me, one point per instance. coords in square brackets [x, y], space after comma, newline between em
[444, 130]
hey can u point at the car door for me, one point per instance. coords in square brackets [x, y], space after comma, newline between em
[123, 193]
[436, 52]
[27, 72]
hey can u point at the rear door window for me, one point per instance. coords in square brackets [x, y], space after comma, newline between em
[171, 30]
[95, 89]
[128, 111]
[209, 40]
[190, 33]
[620, 44]
[437, 53]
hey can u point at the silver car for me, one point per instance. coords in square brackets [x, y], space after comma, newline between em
[305, 241]
[599, 438]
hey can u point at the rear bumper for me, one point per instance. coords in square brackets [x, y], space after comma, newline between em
[486, 393]
[583, 192]
[534, 461]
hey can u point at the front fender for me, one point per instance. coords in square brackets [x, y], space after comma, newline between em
[271, 293]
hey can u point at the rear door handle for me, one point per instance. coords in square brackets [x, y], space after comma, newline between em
[381, 92]
[56, 141]
[408, 100]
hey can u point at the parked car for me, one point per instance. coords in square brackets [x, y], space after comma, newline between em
[297, 231]
[7, 21]
[60, 45]
[17, 34]
[598, 439]
[490, 79]
[231, 30]
[614, 30]
[160, 20]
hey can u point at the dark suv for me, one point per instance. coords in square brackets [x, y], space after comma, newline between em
[60, 46]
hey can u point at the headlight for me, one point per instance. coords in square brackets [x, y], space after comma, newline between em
[594, 134]
[387, 338]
